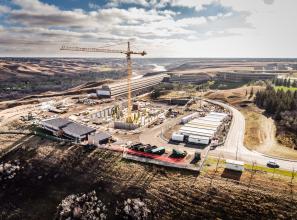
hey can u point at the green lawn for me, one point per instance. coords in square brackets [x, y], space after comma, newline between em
[285, 88]
[269, 170]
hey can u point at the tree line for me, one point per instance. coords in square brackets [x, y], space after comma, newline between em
[276, 102]
[284, 82]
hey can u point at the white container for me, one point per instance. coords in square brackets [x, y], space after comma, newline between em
[188, 118]
[103, 92]
[177, 137]
[235, 165]
[198, 139]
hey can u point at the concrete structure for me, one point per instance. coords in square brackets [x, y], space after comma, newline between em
[244, 76]
[97, 139]
[138, 86]
[67, 128]
[189, 78]
[235, 165]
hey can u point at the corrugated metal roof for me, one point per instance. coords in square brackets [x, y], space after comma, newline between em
[69, 127]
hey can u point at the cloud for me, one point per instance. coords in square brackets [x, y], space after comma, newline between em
[4, 9]
[269, 2]
[165, 26]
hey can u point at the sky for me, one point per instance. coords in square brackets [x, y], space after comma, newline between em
[163, 28]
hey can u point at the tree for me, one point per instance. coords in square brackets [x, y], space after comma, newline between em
[252, 92]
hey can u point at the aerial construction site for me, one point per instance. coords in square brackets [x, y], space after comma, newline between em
[143, 110]
[157, 144]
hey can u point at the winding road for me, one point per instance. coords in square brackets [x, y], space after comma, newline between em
[233, 147]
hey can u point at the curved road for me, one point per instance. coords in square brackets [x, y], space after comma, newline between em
[235, 149]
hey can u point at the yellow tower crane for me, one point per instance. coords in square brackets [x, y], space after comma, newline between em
[128, 54]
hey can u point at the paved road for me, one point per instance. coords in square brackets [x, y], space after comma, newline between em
[234, 147]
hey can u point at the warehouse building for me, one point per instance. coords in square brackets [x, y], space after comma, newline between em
[195, 78]
[138, 86]
[67, 128]
[244, 76]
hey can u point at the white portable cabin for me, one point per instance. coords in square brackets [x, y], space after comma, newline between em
[218, 113]
[235, 165]
[204, 124]
[189, 133]
[188, 118]
[201, 120]
[177, 137]
[203, 127]
[186, 128]
[209, 118]
[197, 133]
[198, 139]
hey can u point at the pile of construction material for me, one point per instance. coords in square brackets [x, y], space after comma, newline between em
[84, 206]
[136, 209]
[200, 130]
[9, 170]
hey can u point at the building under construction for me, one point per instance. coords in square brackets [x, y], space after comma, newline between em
[138, 86]
[244, 76]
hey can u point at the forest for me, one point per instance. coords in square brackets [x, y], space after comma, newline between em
[280, 104]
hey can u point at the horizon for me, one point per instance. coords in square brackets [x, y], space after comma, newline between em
[164, 28]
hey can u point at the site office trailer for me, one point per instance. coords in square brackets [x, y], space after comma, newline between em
[201, 120]
[177, 137]
[235, 165]
[195, 139]
[218, 113]
[188, 133]
[186, 128]
[202, 127]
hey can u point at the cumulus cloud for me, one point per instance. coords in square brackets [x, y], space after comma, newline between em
[157, 23]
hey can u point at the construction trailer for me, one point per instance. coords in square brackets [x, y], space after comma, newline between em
[197, 130]
[218, 114]
[177, 137]
[195, 139]
[188, 133]
[202, 127]
[207, 119]
[234, 165]
[188, 118]
[200, 120]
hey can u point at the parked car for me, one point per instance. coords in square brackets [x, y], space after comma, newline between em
[272, 164]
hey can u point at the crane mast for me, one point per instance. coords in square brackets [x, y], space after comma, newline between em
[128, 54]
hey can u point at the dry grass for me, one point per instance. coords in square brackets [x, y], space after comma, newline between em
[260, 134]
[234, 96]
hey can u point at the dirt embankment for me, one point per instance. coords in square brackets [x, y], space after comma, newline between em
[51, 171]
[260, 130]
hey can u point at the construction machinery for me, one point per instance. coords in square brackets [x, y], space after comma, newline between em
[128, 54]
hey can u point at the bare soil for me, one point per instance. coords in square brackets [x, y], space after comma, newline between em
[52, 171]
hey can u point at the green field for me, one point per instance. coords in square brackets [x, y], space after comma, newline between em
[285, 88]
[269, 170]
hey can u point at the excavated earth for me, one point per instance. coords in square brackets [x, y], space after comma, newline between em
[51, 171]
